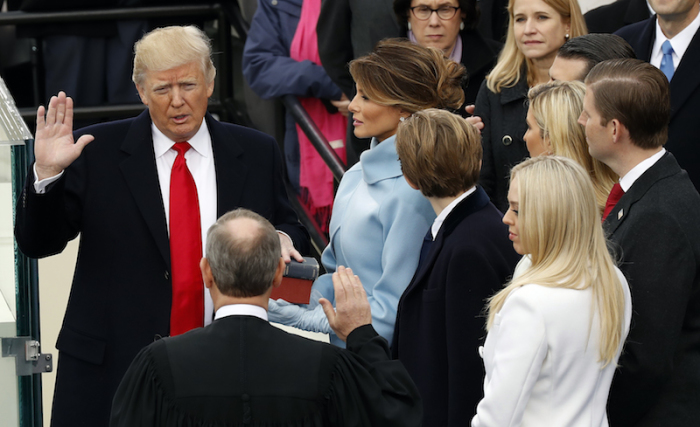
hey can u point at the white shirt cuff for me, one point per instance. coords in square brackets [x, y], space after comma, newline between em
[40, 186]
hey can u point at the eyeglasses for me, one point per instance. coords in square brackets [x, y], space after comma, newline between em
[423, 13]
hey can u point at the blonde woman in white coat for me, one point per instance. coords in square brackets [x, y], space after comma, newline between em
[555, 332]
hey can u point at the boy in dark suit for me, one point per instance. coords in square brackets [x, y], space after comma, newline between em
[439, 326]
[654, 228]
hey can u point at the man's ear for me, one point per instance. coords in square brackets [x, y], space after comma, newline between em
[619, 131]
[206, 273]
[279, 273]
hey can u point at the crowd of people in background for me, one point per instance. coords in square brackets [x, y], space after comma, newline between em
[515, 241]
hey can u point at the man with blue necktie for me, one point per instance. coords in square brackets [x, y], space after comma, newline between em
[670, 41]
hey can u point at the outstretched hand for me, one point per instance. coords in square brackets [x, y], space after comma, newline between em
[54, 147]
[352, 308]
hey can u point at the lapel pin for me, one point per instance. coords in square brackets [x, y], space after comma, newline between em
[619, 214]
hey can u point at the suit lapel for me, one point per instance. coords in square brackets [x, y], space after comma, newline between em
[466, 207]
[141, 176]
[231, 172]
[666, 166]
[687, 76]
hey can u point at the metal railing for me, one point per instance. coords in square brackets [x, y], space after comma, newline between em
[208, 11]
[227, 15]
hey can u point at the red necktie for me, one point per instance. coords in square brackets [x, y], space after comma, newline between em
[187, 311]
[614, 196]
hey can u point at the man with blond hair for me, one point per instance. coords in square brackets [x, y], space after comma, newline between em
[140, 196]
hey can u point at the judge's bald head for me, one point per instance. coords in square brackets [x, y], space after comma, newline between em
[243, 251]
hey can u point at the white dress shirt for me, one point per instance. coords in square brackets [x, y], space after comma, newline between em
[437, 224]
[637, 171]
[679, 43]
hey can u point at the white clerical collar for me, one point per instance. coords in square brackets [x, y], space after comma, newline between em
[637, 171]
[241, 310]
[201, 141]
[441, 218]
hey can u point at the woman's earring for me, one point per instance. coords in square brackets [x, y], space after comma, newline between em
[409, 26]
[566, 37]
[461, 26]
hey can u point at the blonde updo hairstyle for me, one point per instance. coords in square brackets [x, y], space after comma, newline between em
[556, 107]
[559, 226]
[171, 47]
[410, 77]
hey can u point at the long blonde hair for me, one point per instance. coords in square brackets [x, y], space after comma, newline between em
[559, 226]
[556, 107]
[510, 63]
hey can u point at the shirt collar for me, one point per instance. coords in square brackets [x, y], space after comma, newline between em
[241, 310]
[680, 42]
[437, 224]
[637, 171]
[201, 141]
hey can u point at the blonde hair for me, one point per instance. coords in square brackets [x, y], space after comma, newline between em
[440, 152]
[171, 47]
[556, 107]
[510, 63]
[401, 74]
[559, 226]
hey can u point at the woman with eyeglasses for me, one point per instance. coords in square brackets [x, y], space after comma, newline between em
[536, 31]
[450, 25]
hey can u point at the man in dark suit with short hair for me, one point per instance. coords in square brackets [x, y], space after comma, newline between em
[131, 283]
[240, 370]
[678, 23]
[655, 230]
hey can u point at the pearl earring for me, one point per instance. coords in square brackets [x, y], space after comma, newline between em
[409, 26]
[566, 37]
[461, 26]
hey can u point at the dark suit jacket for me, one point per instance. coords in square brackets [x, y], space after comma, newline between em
[611, 17]
[684, 128]
[121, 294]
[479, 55]
[655, 229]
[240, 370]
[439, 324]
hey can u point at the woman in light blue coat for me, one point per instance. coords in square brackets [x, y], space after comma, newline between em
[378, 221]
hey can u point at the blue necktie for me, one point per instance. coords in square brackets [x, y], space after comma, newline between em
[667, 60]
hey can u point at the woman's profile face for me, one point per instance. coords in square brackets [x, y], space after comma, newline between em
[536, 145]
[435, 31]
[371, 119]
[511, 217]
[539, 29]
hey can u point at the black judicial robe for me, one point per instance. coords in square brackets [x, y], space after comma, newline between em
[240, 370]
